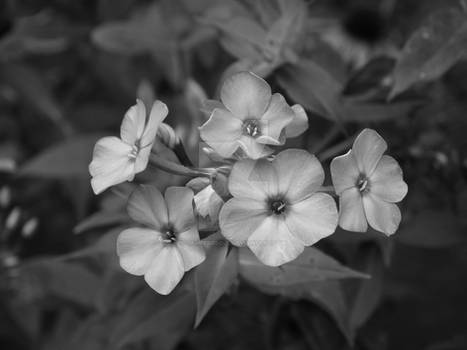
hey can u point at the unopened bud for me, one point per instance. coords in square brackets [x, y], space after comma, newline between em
[29, 228]
[194, 95]
[5, 197]
[7, 165]
[167, 135]
[13, 219]
[145, 93]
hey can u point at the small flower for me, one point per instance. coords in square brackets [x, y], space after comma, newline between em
[168, 245]
[276, 210]
[116, 160]
[368, 183]
[251, 118]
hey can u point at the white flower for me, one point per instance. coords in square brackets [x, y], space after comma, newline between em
[368, 184]
[168, 245]
[116, 160]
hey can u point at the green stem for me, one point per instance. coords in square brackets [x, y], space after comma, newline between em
[175, 168]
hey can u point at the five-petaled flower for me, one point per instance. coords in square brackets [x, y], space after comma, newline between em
[116, 160]
[168, 245]
[368, 184]
[252, 118]
[276, 209]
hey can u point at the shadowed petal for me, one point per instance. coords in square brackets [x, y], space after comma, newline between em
[312, 218]
[239, 218]
[137, 248]
[387, 182]
[351, 213]
[368, 149]
[147, 206]
[133, 123]
[158, 113]
[245, 95]
[221, 132]
[252, 148]
[299, 174]
[273, 243]
[255, 179]
[277, 116]
[180, 207]
[381, 215]
[344, 172]
[166, 270]
[299, 123]
[191, 249]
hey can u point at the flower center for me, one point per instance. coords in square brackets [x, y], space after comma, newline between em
[168, 236]
[363, 184]
[251, 128]
[134, 152]
[277, 206]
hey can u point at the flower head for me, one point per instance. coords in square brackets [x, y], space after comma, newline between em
[251, 118]
[116, 160]
[276, 210]
[168, 244]
[368, 183]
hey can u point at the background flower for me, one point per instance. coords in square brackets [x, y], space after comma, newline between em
[276, 209]
[368, 184]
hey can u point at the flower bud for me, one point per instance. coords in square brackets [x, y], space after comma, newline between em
[5, 197]
[13, 219]
[29, 228]
[167, 135]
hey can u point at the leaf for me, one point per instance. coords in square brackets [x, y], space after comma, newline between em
[164, 318]
[431, 50]
[51, 277]
[433, 229]
[372, 112]
[100, 219]
[369, 292]
[70, 158]
[214, 276]
[310, 85]
[312, 265]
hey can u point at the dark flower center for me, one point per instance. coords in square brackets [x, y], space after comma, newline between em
[251, 128]
[277, 206]
[363, 184]
[168, 236]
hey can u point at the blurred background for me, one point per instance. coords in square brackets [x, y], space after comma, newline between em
[70, 69]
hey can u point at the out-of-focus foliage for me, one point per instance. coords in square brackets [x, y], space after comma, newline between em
[70, 69]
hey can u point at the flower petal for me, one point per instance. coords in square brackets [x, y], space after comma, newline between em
[191, 249]
[381, 215]
[246, 95]
[110, 164]
[180, 207]
[166, 270]
[299, 123]
[255, 179]
[137, 248]
[344, 172]
[252, 148]
[386, 181]
[299, 174]
[222, 131]
[239, 218]
[147, 206]
[133, 123]
[313, 218]
[273, 243]
[351, 213]
[368, 149]
[277, 116]
[158, 113]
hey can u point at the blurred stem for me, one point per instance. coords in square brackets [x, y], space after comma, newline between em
[177, 169]
[339, 148]
[181, 154]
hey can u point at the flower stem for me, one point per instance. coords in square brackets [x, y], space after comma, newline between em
[175, 168]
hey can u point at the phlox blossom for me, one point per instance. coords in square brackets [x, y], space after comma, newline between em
[368, 184]
[116, 160]
[250, 118]
[276, 210]
[168, 245]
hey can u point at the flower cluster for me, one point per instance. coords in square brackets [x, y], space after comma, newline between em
[273, 203]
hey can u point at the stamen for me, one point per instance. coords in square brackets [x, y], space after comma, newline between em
[134, 152]
[278, 206]
[363, 184]
[251, 128]
[168, 236]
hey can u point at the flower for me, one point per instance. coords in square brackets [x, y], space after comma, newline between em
[116, 160]
[368, 184]
[276, 209]
[251, 118]
[168, 244]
